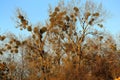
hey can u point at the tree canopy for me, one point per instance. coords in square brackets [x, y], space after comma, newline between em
[72, 45]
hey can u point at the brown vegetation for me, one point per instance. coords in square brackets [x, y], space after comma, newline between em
[61, 49]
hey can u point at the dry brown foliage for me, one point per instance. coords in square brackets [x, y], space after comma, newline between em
[67, 47]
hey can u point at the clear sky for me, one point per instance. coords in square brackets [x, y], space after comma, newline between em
[37, 11]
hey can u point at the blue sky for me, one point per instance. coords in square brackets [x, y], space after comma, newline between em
[37, 11]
